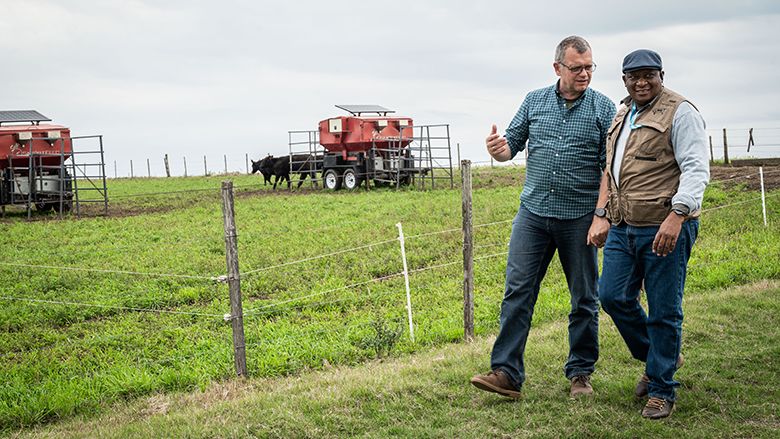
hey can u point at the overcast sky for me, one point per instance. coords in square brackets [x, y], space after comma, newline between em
[228, 78]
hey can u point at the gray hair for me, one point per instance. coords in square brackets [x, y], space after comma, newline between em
[577, 43]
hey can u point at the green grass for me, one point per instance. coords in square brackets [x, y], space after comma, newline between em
[728, 390]
[147, 319]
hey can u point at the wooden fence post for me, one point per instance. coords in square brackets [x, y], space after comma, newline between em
[205, 167]
[225, 164]
[468, 252]
[148, 169]
[712, 155]
[725, 148]
[185, 166]
[234, 279]
[167, 168]
[131, 169]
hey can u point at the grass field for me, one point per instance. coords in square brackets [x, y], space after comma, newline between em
[102, 315]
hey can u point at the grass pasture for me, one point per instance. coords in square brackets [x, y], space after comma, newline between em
[100, 314]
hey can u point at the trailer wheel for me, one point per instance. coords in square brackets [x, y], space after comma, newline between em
[44, 207]
[331, 180]
[351, 179]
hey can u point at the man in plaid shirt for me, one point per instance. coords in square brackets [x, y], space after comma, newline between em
[565, 127]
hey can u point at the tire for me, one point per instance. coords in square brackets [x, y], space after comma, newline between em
[44, 206]
[351, 179]
[331, 180]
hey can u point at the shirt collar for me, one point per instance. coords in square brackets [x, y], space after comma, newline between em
[558, 91]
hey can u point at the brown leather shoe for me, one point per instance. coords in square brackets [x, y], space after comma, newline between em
[657, 408]
[496, 381]
[640, 391]
[580, 385]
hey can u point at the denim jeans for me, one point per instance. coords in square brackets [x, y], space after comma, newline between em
[653, 337]
[532, 245]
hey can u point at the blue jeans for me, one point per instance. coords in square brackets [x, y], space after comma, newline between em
[653, 337]
[532, 245]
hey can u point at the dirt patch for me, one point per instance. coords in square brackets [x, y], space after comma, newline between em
[736, 175]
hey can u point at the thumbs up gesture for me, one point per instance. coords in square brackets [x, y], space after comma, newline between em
[497, 146]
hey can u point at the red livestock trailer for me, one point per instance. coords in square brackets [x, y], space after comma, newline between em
[362, 147]
[31, 161]
[36, 163]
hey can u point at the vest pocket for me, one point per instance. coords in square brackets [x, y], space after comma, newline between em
[643, 209]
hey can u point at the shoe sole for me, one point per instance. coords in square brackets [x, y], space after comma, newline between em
[581, 392]
[483, 385]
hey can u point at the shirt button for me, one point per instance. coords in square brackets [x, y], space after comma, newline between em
[564, 120]
[552, 190]
[556, 155]
[553, 172]
[560, 137]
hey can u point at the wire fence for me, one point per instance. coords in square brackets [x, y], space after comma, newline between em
[103, 334]
[728, 144]
[732, 143]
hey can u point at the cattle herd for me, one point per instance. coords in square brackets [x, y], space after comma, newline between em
[280, 167]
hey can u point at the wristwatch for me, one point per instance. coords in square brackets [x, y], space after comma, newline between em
[600, 212]
[679, 212]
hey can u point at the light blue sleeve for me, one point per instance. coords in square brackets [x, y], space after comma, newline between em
[689, 141]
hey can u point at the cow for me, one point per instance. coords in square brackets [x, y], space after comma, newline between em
[303, 164]
[264, 167]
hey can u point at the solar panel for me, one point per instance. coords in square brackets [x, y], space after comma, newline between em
[357, 109]
[31, 116]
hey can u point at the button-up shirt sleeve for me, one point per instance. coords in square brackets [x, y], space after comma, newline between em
[689, 140]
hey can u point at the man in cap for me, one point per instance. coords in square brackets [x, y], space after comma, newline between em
[657, 170]
[565, 126]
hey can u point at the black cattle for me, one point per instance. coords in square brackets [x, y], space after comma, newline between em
[264, 167]
[303, 164]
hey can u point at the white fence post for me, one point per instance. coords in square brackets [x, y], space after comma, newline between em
[763, 194]
[406, 277]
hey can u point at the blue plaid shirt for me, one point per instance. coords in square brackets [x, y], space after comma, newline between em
[566, 150]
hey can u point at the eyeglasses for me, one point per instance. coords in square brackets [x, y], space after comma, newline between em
[577, 70]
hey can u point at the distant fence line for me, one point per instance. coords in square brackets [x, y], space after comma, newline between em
[724, 144]
[234, 277]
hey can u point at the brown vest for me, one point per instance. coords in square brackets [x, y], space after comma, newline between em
[649, 175]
